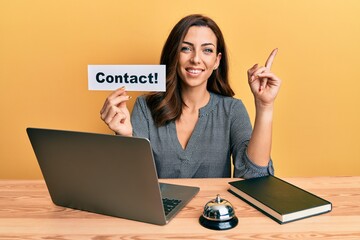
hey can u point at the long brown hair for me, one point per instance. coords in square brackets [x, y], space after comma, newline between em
[167, 106]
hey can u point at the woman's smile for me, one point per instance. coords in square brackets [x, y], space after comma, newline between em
[194, 71]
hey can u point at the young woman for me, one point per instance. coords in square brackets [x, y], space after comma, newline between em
[196, 126]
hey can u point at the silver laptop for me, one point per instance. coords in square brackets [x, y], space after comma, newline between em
[106, 174]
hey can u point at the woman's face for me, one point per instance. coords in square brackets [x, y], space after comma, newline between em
[198, 57]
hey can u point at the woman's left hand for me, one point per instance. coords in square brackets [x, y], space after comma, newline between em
[264, 84]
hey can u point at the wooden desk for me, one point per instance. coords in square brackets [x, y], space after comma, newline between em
[26, 212]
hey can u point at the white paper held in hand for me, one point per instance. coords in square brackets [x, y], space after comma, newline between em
[132, 77]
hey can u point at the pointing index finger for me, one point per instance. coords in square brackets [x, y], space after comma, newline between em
[270, 60]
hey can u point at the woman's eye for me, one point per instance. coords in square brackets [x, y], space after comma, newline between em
[208, 50]
[185, 49]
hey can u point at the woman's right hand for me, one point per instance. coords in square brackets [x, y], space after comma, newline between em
[116, 114]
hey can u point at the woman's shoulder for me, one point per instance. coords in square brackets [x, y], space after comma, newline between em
[141, 101]
[231, 107]
[227, 101]
[141, 105]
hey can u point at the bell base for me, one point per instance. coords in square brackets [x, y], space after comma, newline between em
[218, 225]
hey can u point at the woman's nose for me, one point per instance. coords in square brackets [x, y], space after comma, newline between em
[196, 57]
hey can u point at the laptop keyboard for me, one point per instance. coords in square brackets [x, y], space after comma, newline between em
[170, 204]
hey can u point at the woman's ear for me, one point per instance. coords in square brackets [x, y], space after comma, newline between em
[218, 59]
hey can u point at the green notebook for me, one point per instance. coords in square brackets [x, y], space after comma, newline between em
[280, 200]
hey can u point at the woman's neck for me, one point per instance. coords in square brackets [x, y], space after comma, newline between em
[195, 99]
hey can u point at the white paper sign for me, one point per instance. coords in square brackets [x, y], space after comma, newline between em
[132, 77]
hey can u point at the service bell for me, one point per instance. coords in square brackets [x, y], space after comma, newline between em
[218, 214]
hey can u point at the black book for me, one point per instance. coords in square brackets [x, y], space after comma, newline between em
[280, 200]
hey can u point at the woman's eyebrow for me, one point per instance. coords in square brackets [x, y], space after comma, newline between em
[204, 44]
[188, 43]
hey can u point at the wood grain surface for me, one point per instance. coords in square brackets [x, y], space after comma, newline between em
[27, 212]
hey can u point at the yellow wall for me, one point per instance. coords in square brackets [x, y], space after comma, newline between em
[46, 45]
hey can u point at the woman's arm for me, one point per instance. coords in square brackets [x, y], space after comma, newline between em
[265, 86]
[240, 135]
